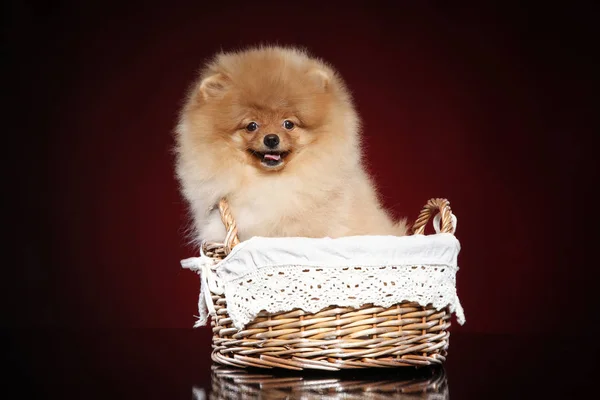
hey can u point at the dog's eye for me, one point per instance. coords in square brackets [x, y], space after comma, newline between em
[252, 126]
[288, 124]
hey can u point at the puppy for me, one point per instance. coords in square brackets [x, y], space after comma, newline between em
[274, 131]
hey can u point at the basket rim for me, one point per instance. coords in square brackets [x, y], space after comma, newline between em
[440, 205]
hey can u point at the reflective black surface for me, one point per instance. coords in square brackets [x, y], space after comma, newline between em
[175, 364]
[423, 383]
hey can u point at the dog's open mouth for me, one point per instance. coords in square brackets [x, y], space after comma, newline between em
[270, 158]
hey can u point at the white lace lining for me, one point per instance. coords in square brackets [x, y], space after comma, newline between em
[281, 274]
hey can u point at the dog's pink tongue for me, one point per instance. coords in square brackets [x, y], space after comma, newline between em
[274, 157]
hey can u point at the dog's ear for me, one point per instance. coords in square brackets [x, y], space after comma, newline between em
[213, 86]
[320, 77]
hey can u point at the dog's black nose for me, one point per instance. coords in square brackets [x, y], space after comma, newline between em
[271, 141]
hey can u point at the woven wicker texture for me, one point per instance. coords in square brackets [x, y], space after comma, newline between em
[430, 383]
[335, 338]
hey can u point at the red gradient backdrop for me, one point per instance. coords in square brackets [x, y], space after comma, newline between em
[486, 107]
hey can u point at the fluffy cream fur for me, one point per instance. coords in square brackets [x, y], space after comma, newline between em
[320, 189]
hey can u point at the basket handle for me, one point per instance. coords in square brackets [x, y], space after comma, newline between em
[418, 228]
[433, 205]
[231, 238]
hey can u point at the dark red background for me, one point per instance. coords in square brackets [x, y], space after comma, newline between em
[488, 107]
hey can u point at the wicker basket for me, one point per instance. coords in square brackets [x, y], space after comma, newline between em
[406, 334]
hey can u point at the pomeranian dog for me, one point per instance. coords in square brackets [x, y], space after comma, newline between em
[274, 131]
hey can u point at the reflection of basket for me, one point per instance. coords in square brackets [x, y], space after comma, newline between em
[429, 383]
[406, 334]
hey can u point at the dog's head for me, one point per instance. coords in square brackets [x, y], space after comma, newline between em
[267, 106]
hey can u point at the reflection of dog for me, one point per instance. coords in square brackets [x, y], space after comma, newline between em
[275, 132]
